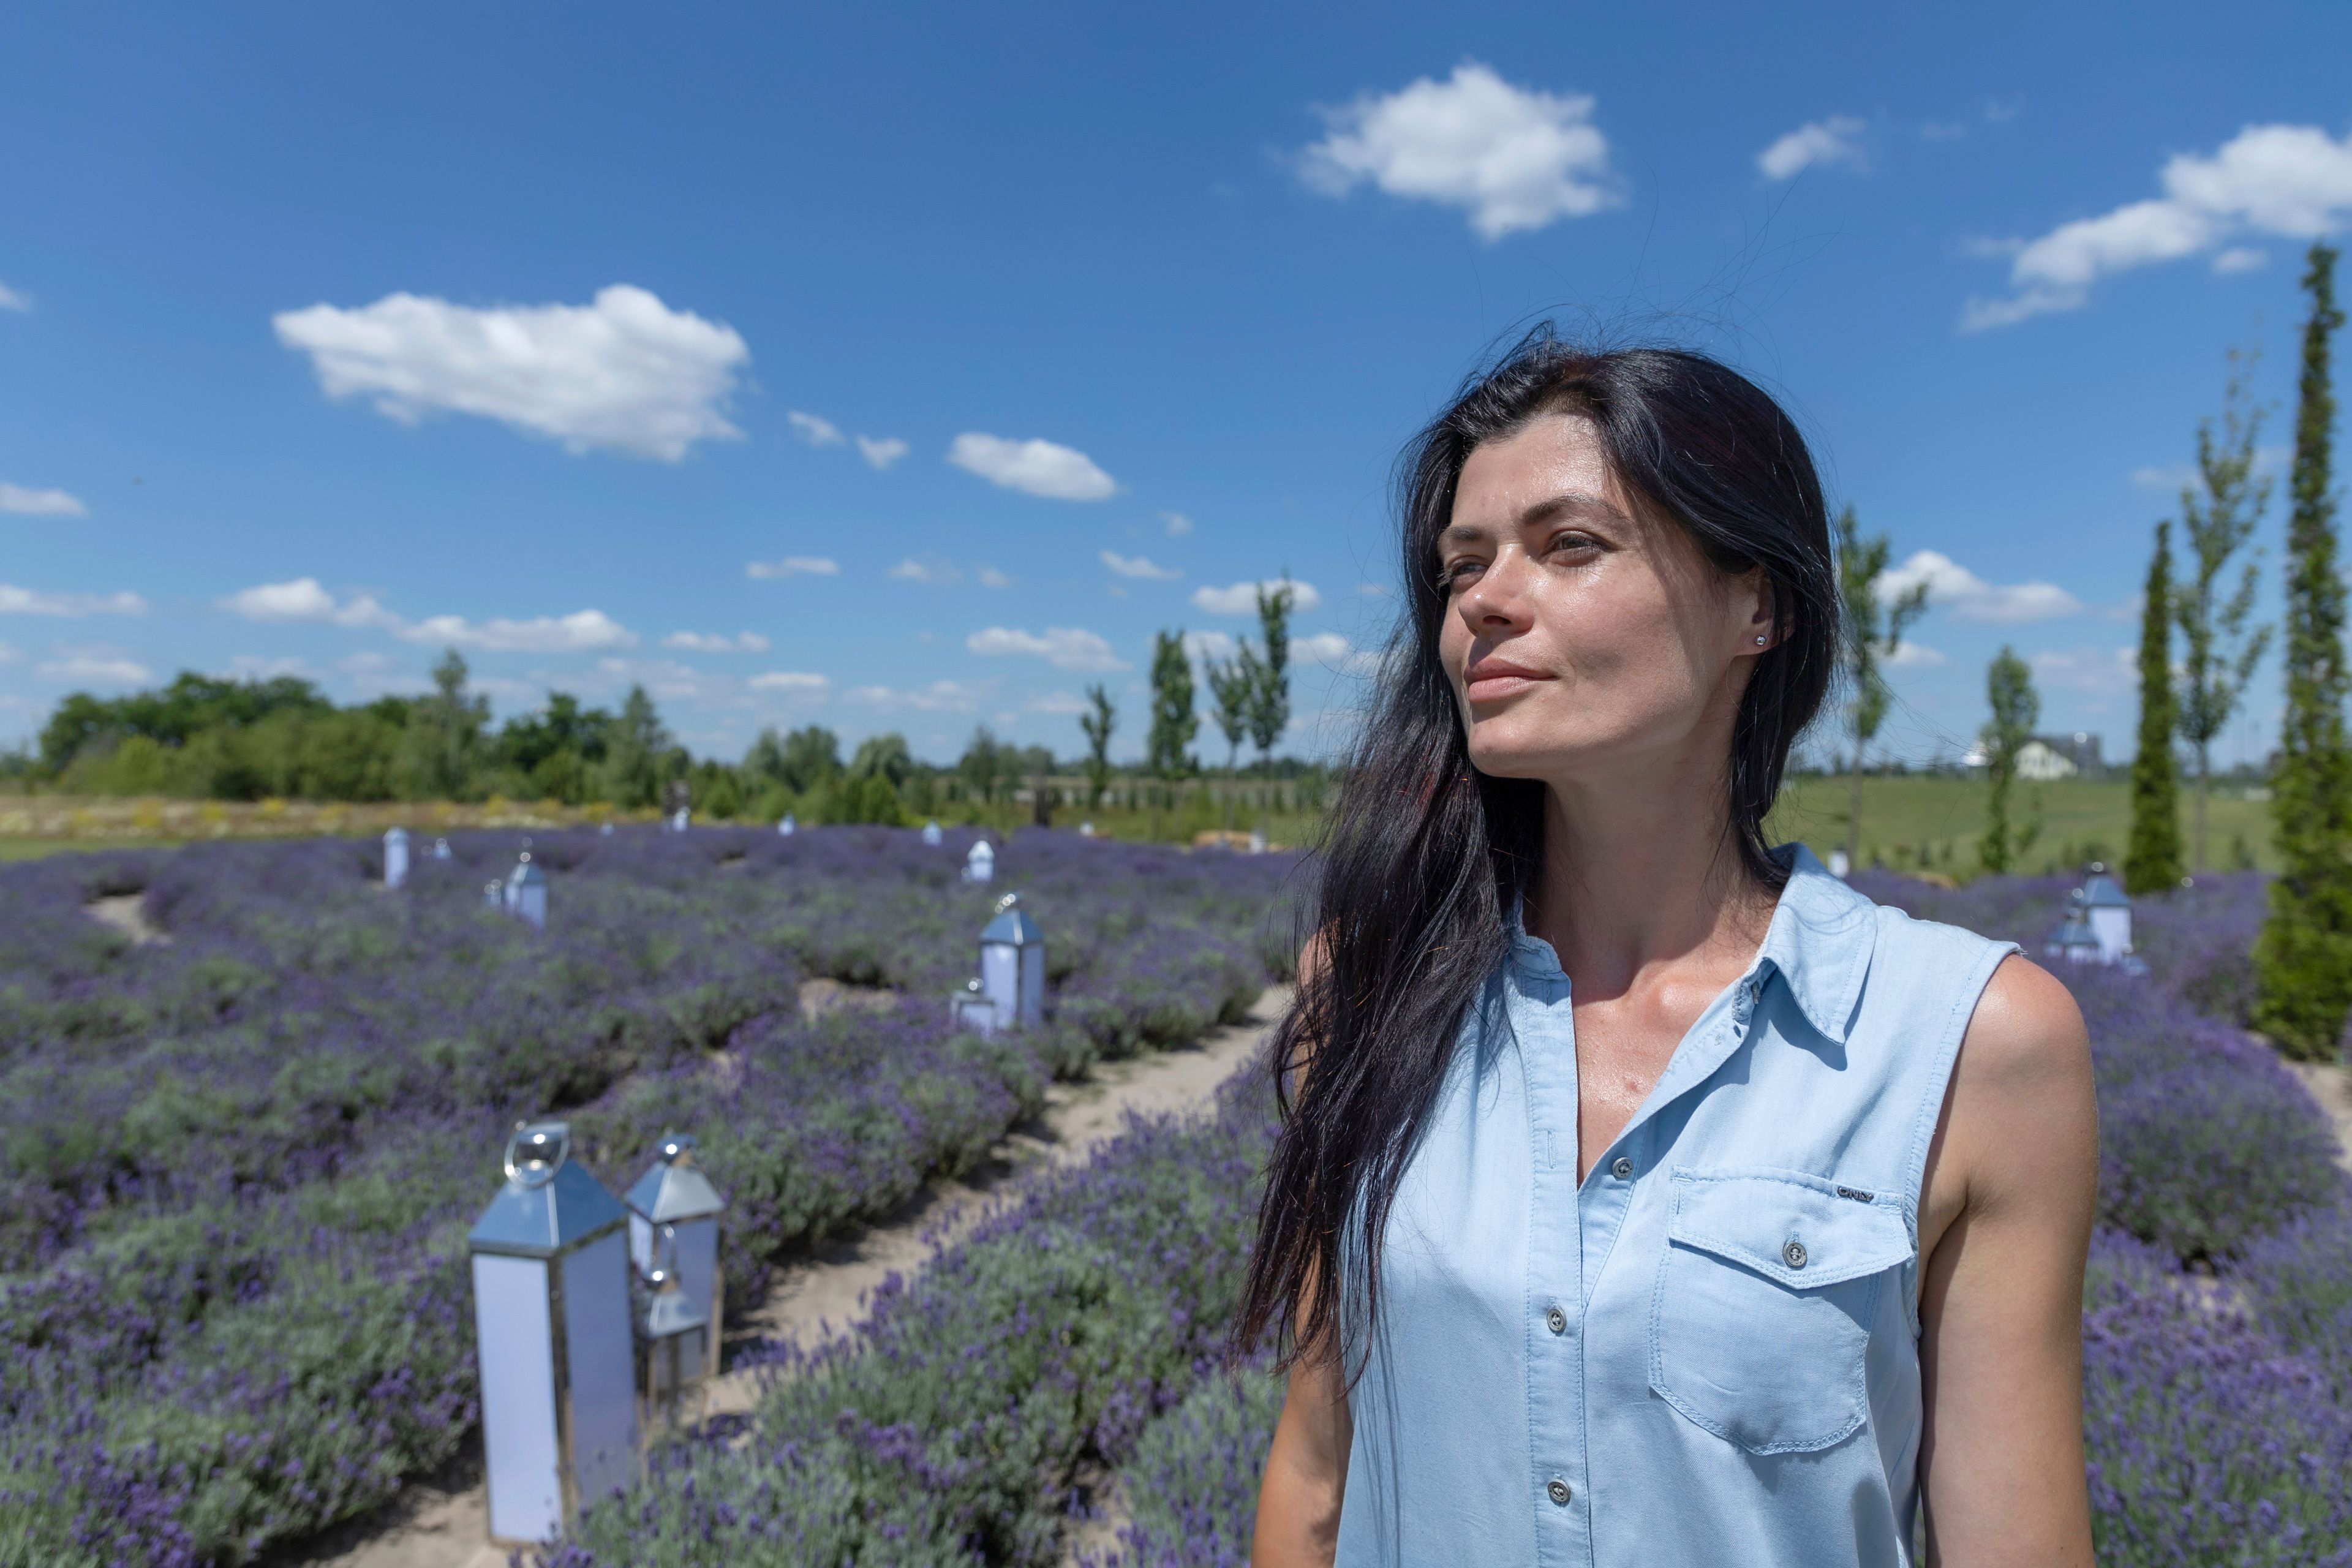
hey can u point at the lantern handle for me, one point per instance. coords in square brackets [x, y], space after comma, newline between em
[514, 1171]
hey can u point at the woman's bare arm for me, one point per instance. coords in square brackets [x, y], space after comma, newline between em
[2011, 1192]
[1305, 1470]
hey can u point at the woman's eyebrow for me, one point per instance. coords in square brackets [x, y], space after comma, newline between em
[1581, 503]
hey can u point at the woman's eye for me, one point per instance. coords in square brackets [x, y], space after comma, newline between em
[1569, 543]
[1454, 574]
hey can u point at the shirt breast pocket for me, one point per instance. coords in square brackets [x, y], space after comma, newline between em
[1764, 1301]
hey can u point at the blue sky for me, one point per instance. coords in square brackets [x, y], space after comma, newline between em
[904, 368]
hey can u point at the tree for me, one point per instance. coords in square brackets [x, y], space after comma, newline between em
[1234, 685]
[987, 764]
[444, 737]
[1098, 725]
[2220, 647]
[1873, 636]
[1270, 713]
[2303, 961]
[2152, 862]
[883, 756]
[1174, 722]
[638, 754]
[2009, 685]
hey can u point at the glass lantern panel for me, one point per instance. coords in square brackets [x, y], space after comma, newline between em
[518, 1379]
[601, 1351]
[1000, 978]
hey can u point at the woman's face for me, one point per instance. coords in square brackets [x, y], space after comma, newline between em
[1585, 638]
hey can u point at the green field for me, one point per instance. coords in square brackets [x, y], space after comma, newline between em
[1914, 822]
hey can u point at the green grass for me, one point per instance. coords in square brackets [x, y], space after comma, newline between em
[1923, 822]
[34, 848]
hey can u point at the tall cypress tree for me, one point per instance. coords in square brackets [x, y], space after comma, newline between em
[2302, 964]
[2016, 708]
[2152, 863]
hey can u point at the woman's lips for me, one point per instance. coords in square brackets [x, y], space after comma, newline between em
[1490, 679]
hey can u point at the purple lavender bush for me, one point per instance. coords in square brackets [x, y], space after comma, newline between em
[1191, 1489]
[237, 1165]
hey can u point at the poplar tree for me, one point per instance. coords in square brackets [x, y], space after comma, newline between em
[1098, 723]
[2008, 687]
[1873, 636]
[2152, 862]
[2220, 648]
[2303, 962]
[1173, 722]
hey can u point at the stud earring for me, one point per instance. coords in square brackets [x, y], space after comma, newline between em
[1760, 642]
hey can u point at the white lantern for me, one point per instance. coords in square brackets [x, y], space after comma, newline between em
[786, 826]
[440, 849]
[972, 1008]
[605, 831]
[2109, 912]
[494, 893]
[1840, 864]
[1013, 964]
[1085, 830]
[678, 820]
[931, 834]
[1256, 842]
[554, 1329]
[396, 856]
[526, 893]
[2074, 941]
[979, 865]
[672, 1332]
[674, 1224]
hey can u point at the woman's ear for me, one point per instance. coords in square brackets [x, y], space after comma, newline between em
[1763, 627]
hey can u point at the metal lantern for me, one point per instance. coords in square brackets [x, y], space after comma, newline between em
[1256, 841]
[440, 849]
[672, 1332]
[1085, 830]
[494, 893]
[787, 826]
[1841, 866]
[2074, 941]
[972, 1008]
[979, 865]
[396, 856]
[931, 834]
[2109, 912]
[678, 820]
[554, 1324]
[674, 1224]
[527, 892]
[1013, 964]
[605, 831]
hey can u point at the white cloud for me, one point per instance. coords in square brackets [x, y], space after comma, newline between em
[1210, 645]
[812, 430]
[1032, 466]
[15, 601]
[716, 642]
[938, 696]
[97, 669]
[2100, 671]
[2241, 258]
[1179, 525]
[1139, 566]
[265, 666]
[1515, 158]
[1064, 647]
[40, 503]
[1241, 599]
[14, 300]
[1953, 588]
[303, 599]
[788, 680]
[8, 655]
[1833, 141]
[626, 372]
[794, 566]
[989, 577]
[582, 631]
[926, 569]
[1372, 589]
[881, 454]
[1909, 655]
[1060, 704]
[1336, 654]
[2291, 181]
[2166, 476]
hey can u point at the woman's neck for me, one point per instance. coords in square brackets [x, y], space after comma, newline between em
[1642, 873]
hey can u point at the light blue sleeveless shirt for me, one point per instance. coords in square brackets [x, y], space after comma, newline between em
[1707, 1353]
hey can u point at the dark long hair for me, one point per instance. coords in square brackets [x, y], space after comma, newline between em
[1425, 852]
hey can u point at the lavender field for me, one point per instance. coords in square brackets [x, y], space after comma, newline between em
[1067, 1353]
[240, 1147]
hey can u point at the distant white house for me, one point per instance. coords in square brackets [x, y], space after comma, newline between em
[2041, 762]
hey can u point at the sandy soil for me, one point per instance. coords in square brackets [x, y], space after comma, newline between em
[127, 912]
[2332, 1086]
[440, 1522]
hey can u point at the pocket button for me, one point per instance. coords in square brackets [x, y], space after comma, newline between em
[1793, 1254]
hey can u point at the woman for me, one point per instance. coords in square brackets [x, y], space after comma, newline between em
[1645, 1195]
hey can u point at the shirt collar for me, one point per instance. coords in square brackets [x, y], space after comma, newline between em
[1819, 944]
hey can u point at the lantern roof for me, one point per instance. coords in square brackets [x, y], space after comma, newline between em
[1013, 924]
[2075, 931]
[2100, 891]
[980, 851]
[399, 833]
[527, 873]
[673, 1187]
[550, 1204]
[671, 1310]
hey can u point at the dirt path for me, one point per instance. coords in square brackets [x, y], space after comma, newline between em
[2332, 1086]
[127, 912]
[440, 1522]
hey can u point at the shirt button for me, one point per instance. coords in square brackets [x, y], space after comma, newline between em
[1793, 1255]
[1556, 1320]
[1621, 1168]
[1556, 1489]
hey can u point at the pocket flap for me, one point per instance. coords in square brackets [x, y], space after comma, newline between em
[1790, 1226]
